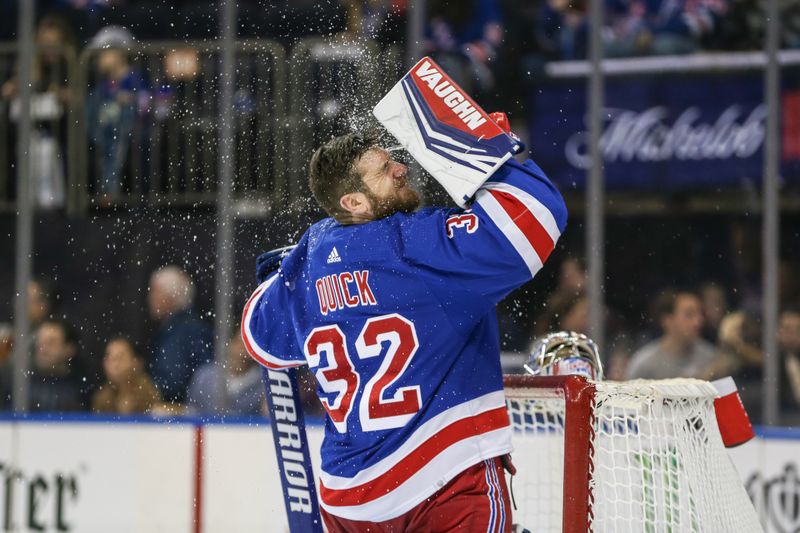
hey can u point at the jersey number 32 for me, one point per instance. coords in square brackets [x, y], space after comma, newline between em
[339, 377]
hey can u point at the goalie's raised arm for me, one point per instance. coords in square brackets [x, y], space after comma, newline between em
[526, 208]
[516, 214]
[498, 244]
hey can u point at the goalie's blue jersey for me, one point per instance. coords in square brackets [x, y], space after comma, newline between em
[396, 319]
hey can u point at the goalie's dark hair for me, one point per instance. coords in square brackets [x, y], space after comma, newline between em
[331, 172]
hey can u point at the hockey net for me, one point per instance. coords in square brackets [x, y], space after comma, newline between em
[643, 456]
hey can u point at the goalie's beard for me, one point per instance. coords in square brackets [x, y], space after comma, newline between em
[404, 200]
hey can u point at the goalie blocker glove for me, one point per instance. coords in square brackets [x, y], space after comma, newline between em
[449, 134]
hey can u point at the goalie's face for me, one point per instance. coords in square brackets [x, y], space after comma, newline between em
[386, 189]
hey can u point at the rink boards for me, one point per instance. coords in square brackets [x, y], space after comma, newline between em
[85, 474]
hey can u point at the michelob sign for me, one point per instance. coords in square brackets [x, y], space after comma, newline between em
[665, 131]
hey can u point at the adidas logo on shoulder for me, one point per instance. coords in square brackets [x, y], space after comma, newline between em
[334, 256]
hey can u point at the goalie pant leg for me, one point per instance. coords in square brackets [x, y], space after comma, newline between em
[475, 500]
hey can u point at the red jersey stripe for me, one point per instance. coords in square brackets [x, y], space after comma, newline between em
[416, 460]
[526, 222]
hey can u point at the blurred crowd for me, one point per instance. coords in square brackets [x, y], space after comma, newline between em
[708, 331]
[171, 374]
[496, 49]
[175, 374]
[480, 30]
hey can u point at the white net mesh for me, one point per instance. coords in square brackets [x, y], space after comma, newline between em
[659, 464]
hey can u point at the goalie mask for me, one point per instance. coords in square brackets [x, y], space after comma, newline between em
[565, 353]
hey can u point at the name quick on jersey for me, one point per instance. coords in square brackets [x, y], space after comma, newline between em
[347, 289]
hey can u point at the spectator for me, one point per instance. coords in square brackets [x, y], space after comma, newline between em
[683, 27]
[744, 25]
[563, 29]
[463, 37]
[55, 385]
[740, 347]
[626, 28]
[715, 307]
[379, 20]
[789, 347]
[117, 100]
[128, 389]
[572, 277]
[654, 27]
[51, 96]
[631, 27]
[617, 357]
[183, 342]
[6, 351]
[741, 357]
[565, 311]
[42, 300]
[680, 351]
[566, 308]
[243, 392]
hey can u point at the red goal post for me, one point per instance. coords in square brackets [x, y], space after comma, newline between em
[640, 456]
[578, 395]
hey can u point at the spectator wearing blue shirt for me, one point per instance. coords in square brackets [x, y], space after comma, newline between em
[183, 341]
[238, 391]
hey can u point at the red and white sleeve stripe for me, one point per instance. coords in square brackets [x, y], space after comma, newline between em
[258, 353]
[525, 221]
